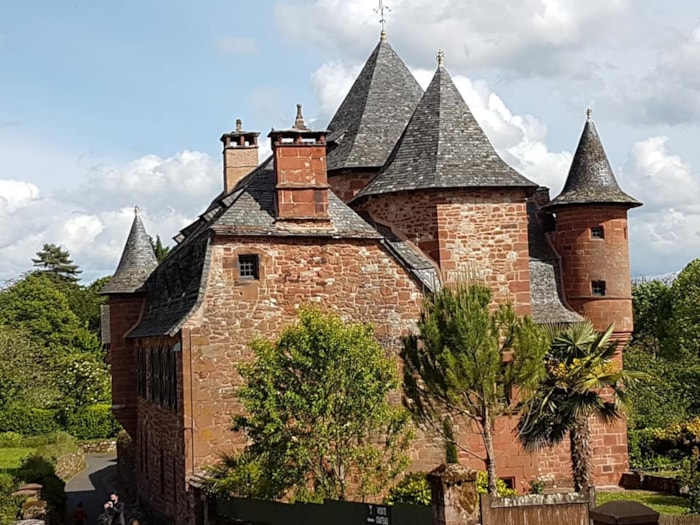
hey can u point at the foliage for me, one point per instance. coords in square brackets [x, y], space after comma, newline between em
[9, 505]
[28, 421]
[39, 469]
[413, 489]
[659, 501]
[580, 364]
[90, 422]
[652, 307]
[451, 455]
[536, 486]
[466, 361]
[159, 249]
[55, 261]
[26, 375]
[482, 486]
[646, 452]
[11, 458]
[319, 421]
[83, 380]
[11, 439]
[684, 331]
[36, 305]
[691, 479]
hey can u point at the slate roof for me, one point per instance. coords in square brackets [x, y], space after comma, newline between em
[373, 114]
[137, 261]
[546, 288]
[175, 289]
[443, 146]
[591, 179]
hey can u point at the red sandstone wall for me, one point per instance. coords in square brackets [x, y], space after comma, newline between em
[478, 231]
[348, 184]
[585, 259]
[124, 313]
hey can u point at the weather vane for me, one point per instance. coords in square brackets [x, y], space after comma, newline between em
[381, 10]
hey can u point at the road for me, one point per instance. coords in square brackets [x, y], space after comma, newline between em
[93, 485]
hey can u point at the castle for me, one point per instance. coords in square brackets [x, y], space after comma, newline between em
[402, 190]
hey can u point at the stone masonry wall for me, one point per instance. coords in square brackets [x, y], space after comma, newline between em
[475, 231]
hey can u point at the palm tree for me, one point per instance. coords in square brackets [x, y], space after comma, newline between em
[583, 381]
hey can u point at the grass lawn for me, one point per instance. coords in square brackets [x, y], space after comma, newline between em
[11, 458]
[660, 502]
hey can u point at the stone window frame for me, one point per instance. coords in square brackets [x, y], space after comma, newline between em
[598, 232]
[249, 266]
[598, 288]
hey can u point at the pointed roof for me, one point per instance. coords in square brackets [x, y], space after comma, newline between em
[137, 262]
[374, 113]
[591, 179]
[443, 146]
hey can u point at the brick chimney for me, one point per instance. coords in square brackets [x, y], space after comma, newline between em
[300, 172]
[240, 155]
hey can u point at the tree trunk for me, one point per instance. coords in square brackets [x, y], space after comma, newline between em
[490, 456]
[581, 454]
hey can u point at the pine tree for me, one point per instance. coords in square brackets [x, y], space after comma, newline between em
[160, 250]
[57, 262]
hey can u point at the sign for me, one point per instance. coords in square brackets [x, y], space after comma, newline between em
[378, 515]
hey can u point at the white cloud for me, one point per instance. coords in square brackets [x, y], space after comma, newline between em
[237, 45]
[16, 194]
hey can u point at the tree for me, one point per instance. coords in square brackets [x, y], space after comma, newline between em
[466, 362]
[652, 306]
[56, 261]
[684, 331]
[319, 421]
[160, 250]
[582, 381]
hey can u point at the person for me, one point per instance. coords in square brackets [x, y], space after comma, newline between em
[115, 509]
[79, 516]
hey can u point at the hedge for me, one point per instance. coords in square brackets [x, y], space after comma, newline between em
[91, 422]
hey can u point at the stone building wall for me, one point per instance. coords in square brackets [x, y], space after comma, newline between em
[347, 184]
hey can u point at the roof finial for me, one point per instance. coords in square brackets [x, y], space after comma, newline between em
[299, 121]
[136, 210]
[589, 113]
[239, 124]
[380, 10]
[440, 58]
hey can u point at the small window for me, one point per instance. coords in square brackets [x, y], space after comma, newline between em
[248, 266]
[598, 287]
[509, 483]
[597, 232]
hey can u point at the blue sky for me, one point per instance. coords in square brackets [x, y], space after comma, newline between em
[108, 104]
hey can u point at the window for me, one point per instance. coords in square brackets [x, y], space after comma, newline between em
[597, 232]
[248, 266]
[509, 483]
[598, 287]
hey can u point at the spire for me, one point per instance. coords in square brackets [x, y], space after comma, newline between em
[443, 146]
[591, 179]
[137, 262]
[374, 113]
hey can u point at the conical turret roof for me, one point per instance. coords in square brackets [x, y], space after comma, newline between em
[591, 179]
[137, 262]
[443, 146]
[375, 111]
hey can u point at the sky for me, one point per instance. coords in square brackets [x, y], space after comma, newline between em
[106, 105]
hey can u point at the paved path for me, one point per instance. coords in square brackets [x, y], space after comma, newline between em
[92, 485]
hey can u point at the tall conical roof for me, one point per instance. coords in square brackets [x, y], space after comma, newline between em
[591, 179]
[443, 146]
[374, 113]
[137, 262]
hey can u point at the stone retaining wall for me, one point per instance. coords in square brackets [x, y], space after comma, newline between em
[69, 465]
[107, 446]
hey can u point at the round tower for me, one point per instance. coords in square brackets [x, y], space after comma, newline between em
[592, 239]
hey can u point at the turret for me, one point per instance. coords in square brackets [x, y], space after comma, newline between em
[592, 239]
[126, 300]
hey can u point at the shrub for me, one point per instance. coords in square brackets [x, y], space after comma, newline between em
[39, 469]
[10, 440]
[9, 505]
[413, 489]
[28, 421]
[482, 486]
[91, 422]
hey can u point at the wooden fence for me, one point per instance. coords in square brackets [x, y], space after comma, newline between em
[330, 512]
[687, 519]
[551, 509]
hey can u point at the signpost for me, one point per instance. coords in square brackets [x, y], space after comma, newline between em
[378, 515]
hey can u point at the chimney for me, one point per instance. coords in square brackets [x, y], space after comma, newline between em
[300, 172]
[240, 155]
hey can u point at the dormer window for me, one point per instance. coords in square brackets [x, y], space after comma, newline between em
[248, 266]
[597, 232]
[598, 288]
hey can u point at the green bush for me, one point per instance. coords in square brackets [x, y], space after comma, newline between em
[28, 421]
[10, 440]
[40, 469]
[413, 489]
[9, 505]
[91, 422]
[482, 486]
